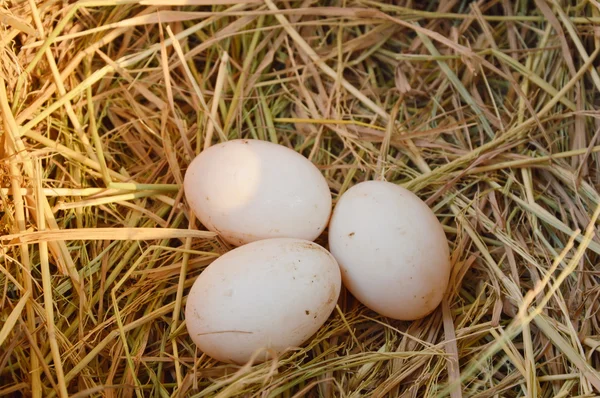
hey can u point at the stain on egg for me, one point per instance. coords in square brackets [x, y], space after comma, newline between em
[398, 264]
[247, 190]
[247, 301]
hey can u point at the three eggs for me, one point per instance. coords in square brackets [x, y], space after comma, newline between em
[278, 288]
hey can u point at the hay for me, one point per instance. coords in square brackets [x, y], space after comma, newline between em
[486, 110]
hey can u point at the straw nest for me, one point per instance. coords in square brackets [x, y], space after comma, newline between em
[486, 110]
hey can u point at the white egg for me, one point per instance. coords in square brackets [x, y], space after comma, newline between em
[270, 294]
[247, 190]
[391, 248]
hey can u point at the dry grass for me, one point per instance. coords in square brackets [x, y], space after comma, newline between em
[486, 110]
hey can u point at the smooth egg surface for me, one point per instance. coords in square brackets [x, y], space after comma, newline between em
[247, 190]
[270, 294]
[391, 248]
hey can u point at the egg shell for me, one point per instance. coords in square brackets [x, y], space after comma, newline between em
[247, 190]
[391, 248]
[273, 293]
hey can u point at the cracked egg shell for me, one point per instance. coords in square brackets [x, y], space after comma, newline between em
[270, 294]
[247, 190]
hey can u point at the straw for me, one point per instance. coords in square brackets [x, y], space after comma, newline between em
[487, 111]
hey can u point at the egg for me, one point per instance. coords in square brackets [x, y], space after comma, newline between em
[391, 248]
[247, 190]
[270, 294]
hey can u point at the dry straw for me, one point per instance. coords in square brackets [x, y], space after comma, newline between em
[487, 110]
